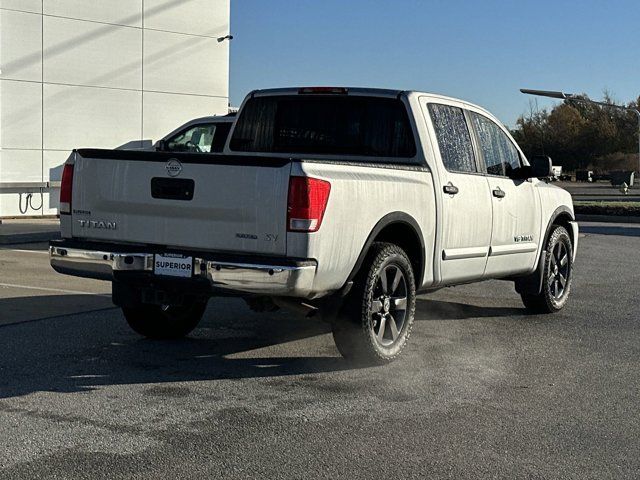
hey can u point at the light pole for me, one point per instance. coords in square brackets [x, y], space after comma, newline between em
[577, 98]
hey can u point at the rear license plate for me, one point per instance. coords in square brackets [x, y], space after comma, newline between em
[173, 265]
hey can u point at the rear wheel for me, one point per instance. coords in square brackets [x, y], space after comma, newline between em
[557, 275]
[376, 319]
[164, 321]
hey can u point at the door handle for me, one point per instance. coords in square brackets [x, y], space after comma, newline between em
[499, 193]
[450, 189]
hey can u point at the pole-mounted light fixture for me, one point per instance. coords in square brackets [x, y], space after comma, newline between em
[578, 98]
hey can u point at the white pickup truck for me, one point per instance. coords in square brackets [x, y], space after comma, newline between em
[345, 202]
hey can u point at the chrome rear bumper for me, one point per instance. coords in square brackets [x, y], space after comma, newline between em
[255, 278]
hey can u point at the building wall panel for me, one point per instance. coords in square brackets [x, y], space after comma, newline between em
[21, 165]
[21, 45]
[119, 12]
[20, 115]
[88, 53]
[76, 117]
[179, 63]
[34, 6]
[196, 17]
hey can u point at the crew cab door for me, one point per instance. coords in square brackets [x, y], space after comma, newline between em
[465, 225]
[516, 206]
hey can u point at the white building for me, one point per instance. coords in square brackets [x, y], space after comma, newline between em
[100, 73]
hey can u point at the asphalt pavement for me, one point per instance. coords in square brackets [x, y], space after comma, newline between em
[20, 231]
[484, 390]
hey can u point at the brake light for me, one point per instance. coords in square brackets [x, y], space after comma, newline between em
[308, 199]
[324, 90]
[66, 187]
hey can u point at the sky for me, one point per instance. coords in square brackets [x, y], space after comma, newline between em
[482, 51]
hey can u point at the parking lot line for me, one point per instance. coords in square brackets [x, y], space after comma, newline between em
[57, 290]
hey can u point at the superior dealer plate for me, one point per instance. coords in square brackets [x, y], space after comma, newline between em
[173, 265]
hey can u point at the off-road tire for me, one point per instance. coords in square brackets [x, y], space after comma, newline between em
[548, 300]
[354, 330]
[154, 321]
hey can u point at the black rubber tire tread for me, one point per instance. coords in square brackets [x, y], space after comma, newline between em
[544, 302]
[351, 330]
[152, 322]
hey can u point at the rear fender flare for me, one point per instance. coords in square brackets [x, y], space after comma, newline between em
[387, 220]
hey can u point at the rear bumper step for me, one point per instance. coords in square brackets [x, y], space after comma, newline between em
[286, 279]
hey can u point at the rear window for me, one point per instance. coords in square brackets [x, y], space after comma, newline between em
[341, 125]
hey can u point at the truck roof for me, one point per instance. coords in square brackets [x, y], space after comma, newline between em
[378, 92]
[360, 91]
[229, 117]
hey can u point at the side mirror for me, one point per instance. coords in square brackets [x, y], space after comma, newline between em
[161, 146]
[540, 166]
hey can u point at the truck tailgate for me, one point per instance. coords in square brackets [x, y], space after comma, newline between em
[185, 201]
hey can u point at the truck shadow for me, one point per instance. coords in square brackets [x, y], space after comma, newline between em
[440, 310]
[83, 351]
[94, 348]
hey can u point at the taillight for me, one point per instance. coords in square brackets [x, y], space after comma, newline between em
[307, 202]
[66, 188]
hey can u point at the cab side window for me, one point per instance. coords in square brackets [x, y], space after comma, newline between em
[499, 153]
[198, 139]
[453, 137]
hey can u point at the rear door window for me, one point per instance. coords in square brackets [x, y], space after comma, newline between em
[325, 125]
[500, 154]
[454, 139]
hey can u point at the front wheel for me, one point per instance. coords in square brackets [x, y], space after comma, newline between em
[164, 321]
[557, 275]
[376, 319]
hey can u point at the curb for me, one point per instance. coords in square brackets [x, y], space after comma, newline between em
[18, 238]
[582, 217]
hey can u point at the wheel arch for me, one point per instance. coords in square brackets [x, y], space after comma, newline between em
[562, 216]
[532, 283]
[403, 230]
